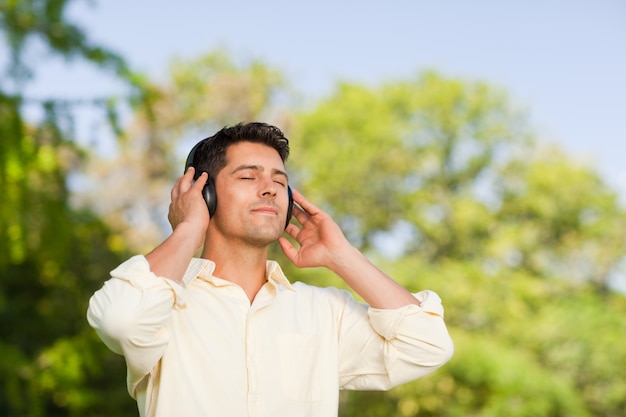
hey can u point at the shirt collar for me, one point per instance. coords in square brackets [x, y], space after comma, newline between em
[275, 275]
[199, 268]
[204, 268]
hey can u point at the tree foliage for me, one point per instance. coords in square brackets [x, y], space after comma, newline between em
[51, 254]
[518, 238]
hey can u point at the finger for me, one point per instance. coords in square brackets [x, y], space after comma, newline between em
[300, 215]
[174, 192]
[200, 182]
[292, 230]
[288, 249]
[305, 204]
[182, 184]
[186, 180]
[176, 188]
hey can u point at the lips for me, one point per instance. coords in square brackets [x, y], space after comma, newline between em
[266, 210]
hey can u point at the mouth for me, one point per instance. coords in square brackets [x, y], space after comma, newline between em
[267, 210]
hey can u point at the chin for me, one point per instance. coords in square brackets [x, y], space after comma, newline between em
[263, 236]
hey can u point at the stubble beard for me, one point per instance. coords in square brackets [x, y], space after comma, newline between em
[261, 237]
[251, 234]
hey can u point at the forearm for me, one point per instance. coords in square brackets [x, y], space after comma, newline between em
[373, 285]
[189, 219]
[400, 344]
[171, 258]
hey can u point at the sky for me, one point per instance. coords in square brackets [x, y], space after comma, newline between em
[564, 61]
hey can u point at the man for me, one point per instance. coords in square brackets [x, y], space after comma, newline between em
[227, 334]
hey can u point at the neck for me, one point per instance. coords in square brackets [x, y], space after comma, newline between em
[240, 264]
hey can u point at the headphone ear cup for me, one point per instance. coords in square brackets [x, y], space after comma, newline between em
[290, 207]
[210, 197]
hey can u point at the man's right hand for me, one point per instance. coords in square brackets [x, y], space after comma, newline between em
[188, 205]
[189, 217]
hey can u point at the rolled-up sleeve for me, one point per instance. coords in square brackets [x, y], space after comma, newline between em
[403, 344]
[129, 314]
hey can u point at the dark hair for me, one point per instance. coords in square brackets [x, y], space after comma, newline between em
[209, 155]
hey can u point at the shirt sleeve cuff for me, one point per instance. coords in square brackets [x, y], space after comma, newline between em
[387, 322]
[430, 302]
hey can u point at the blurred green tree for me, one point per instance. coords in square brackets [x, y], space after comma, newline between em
[412, 155]
[519, 239]
[52, 256]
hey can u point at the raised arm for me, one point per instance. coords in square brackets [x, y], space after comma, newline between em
[322, 243]
[189, 218]
[130, 311]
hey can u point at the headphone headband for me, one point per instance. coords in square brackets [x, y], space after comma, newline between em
[191, 156]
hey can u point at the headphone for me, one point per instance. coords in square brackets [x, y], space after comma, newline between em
[208, 191]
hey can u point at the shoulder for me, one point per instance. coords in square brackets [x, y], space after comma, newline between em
[332, 296]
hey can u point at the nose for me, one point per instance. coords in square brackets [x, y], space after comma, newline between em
[268, 188]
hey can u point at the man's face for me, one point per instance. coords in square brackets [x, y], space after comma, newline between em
[252, 195]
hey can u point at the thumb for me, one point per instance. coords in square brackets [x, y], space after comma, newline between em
[288, 249]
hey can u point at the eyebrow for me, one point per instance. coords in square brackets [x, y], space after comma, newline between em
[260, 169]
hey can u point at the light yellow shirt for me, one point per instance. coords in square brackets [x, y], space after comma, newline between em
[201, 349]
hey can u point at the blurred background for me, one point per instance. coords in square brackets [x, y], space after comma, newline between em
[472, 148]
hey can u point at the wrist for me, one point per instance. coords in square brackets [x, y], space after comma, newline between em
[343, 260]
[189, 233]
